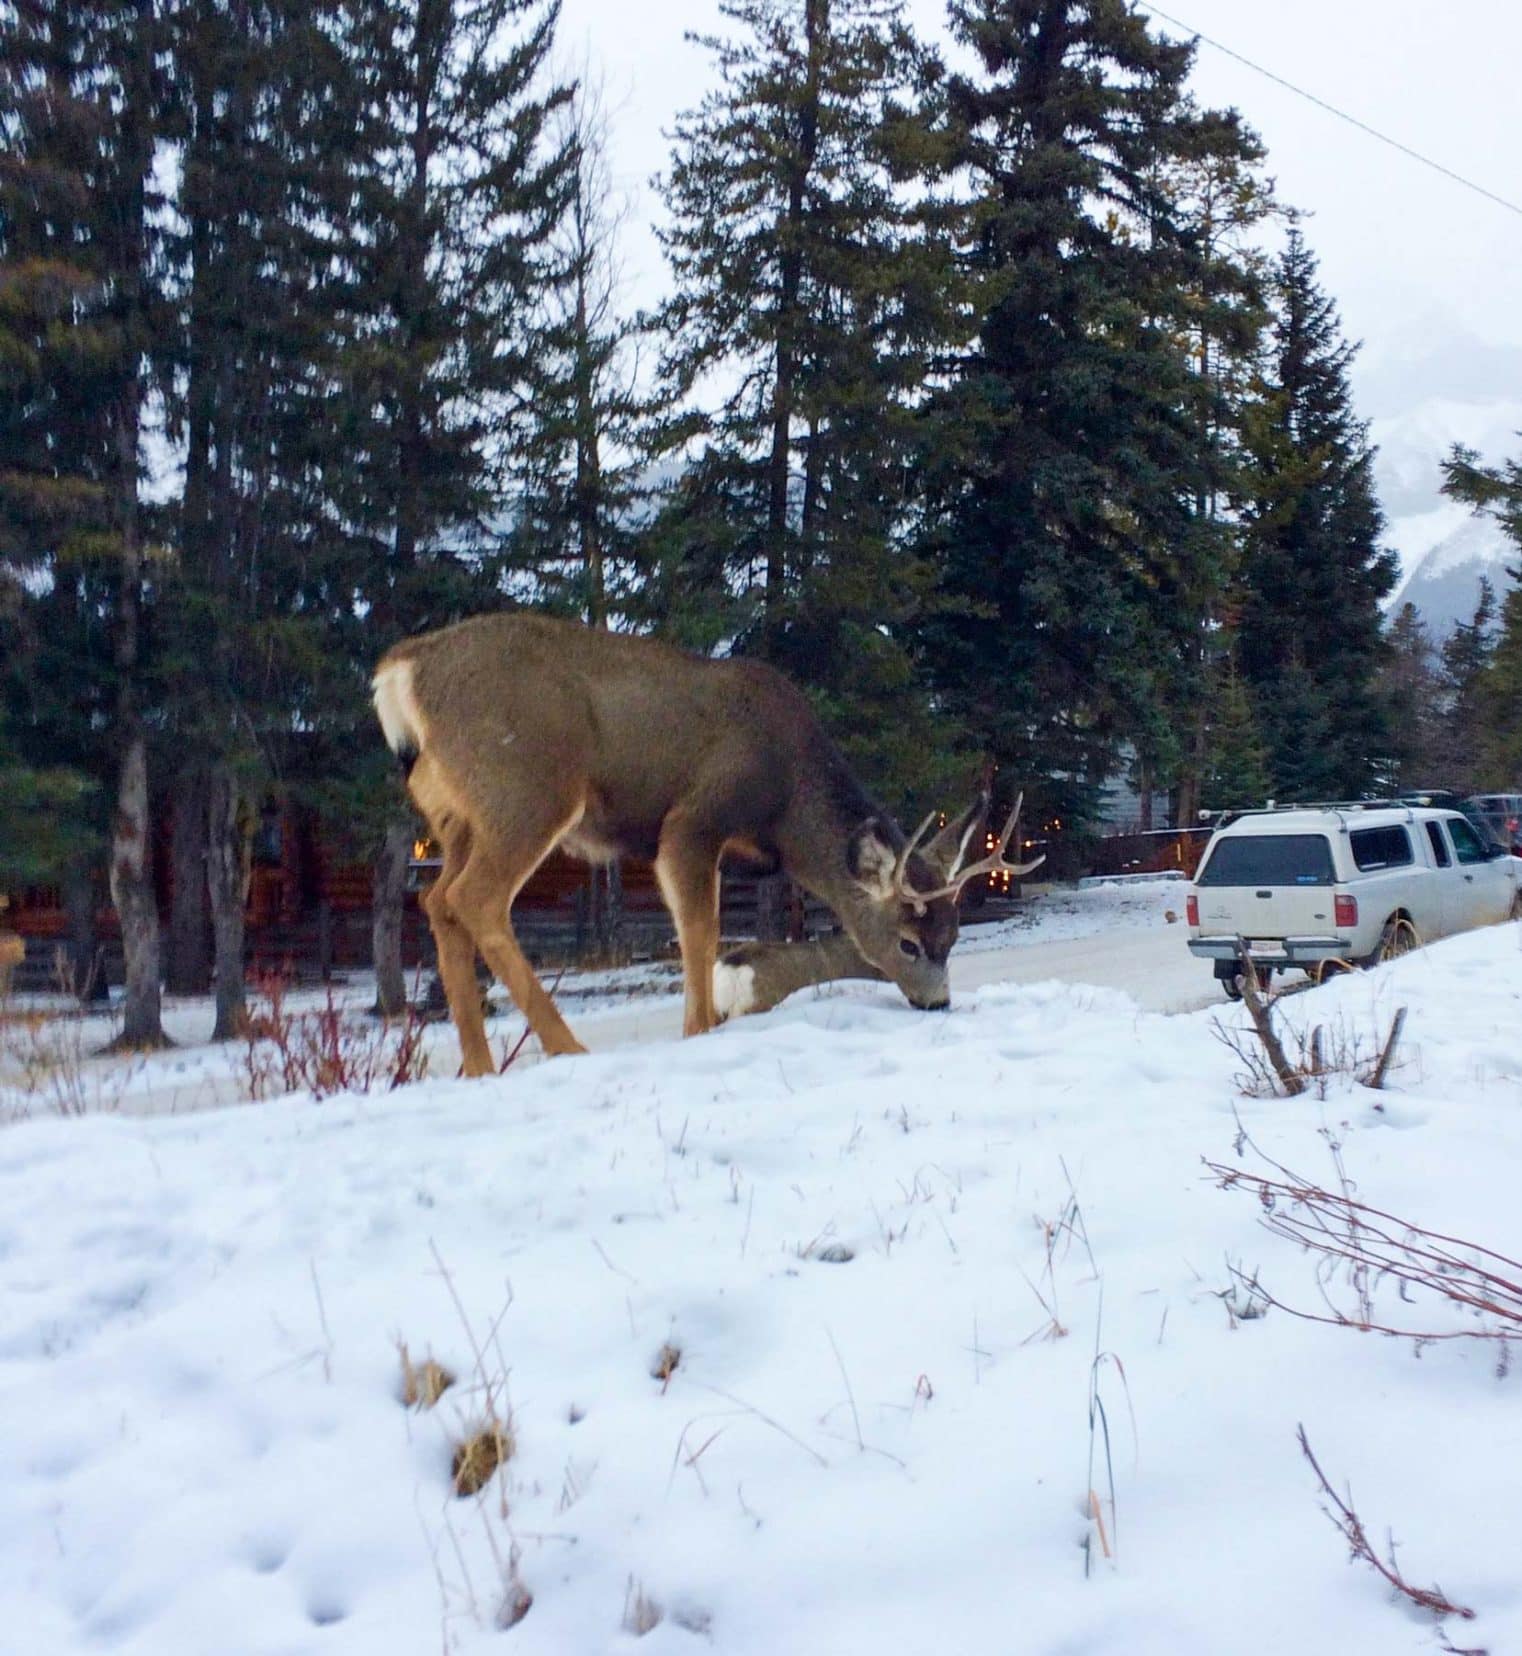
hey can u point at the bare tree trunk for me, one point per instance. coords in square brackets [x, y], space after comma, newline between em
[189, 956]
[771, 908]
[790, 283]
[1144, 796]
[614, 943]
[1194, 768]
[136, 906]
[388, 895]
[227, 885]
[86, 969]
[131, 866]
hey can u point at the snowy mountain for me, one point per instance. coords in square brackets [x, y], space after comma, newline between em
[1444, 548]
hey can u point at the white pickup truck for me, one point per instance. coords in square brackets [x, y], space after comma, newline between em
[1351, 884]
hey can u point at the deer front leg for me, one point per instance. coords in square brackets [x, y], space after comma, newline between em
[687, 871]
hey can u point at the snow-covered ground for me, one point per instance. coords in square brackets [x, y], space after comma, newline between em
[898, 1254]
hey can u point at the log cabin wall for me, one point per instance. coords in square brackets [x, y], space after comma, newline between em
[308, 906]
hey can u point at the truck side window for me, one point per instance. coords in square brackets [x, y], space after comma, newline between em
[1439, 846]
[1466, 843]
[1381, 848]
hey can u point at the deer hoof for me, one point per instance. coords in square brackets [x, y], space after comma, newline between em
[734, 990]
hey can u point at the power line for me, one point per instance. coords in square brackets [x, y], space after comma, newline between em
[1341, 114]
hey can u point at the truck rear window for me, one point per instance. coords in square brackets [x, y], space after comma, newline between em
[1269, 860]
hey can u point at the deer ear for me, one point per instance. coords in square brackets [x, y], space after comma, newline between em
[871, 859]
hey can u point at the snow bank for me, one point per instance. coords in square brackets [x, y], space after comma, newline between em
[888, 1247]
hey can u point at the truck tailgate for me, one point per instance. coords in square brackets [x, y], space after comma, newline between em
[1268, 886]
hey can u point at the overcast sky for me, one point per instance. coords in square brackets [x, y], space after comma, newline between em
[1425, 273]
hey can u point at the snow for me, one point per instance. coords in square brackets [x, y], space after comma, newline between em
[1061, 913]
[888, 1245]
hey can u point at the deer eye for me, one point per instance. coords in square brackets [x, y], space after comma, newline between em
[909, 947]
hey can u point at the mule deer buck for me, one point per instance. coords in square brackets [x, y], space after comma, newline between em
[521, 733]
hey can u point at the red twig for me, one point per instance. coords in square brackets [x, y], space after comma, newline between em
[1373, 1244]
[1343, 1515]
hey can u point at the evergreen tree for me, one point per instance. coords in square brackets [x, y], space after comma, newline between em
[1236, 772]
[459, 180]
[590, 431]
[1311, 644]
[1465, 657]
[1500, 767]
[1411, 690]
[1221, 201]
[1498, 695]
[79, 107]
[266, 118]
[1068, 457]
[811, 295]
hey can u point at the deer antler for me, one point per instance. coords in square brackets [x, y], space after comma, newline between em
[993, 863]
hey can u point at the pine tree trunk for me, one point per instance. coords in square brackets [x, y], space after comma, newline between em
[771, 908]
[85, 969]
[790, 280]
[226, 886]
[189, 957]
[614, 940]
[136, 906]
[131, 868]
[388, 895]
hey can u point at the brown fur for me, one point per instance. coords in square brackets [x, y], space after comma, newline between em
[524, 733]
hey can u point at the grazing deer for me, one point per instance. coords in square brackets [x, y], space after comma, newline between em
[521, 733]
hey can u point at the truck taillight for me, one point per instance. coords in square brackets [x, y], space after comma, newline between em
[1192, 909]
[1345, 909]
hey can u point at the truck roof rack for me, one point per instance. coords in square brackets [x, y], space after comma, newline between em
[1342, 807]
[1277, 806]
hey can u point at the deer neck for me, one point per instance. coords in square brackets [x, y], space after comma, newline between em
[827, 809]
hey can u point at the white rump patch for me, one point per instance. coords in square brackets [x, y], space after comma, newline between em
[396, 709]
[734, 990]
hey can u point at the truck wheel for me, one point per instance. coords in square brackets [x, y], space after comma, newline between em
[1232, 987]
[1398, 938]
[1332, 966]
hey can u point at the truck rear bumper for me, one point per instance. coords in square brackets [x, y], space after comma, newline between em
[1278, 951]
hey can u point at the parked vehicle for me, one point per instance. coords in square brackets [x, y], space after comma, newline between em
[1497, 816]
[1346, 884]
[1501, 814]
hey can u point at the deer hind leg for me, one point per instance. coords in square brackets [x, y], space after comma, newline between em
[457, 956]
[687, 870]
[482, 897]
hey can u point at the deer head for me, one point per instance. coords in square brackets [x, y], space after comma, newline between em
[905, 918]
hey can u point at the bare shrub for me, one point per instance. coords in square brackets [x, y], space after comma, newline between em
[327, 1051]
[483, 1442]
[46, 1064]
[1345, 1516]
[1306, 1059]
[1359, 1248]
